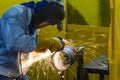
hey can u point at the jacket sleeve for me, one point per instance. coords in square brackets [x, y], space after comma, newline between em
[13, 33]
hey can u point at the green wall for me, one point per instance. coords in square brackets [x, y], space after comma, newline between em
[89, 12]
[6, 4]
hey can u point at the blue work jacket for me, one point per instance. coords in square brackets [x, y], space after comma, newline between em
[15, 37]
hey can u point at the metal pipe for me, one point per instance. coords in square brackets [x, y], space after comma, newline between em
[63, 59]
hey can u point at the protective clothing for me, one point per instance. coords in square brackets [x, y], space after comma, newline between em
[16, 35]
[19, 78]
[54, 43]
[51, 10]
[39, 5]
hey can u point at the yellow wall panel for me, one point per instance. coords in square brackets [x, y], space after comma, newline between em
[6, 4]
[114, 41]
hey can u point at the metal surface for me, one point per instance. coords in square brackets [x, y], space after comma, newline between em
[63, 59]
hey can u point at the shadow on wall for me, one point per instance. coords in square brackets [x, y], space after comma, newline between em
[74, 17]
[104, 12]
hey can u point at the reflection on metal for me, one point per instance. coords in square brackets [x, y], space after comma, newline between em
[63, 59]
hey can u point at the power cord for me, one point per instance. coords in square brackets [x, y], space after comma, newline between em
[20, 65]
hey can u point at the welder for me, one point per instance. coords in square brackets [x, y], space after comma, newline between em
[18, 33]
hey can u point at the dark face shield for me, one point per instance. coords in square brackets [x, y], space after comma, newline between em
[53, 13]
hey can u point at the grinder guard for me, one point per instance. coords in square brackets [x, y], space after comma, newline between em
[63, 59]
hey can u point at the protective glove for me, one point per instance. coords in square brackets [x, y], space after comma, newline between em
[60, 40]
[53, 44]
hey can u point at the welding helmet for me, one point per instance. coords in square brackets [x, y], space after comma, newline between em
[53, 12]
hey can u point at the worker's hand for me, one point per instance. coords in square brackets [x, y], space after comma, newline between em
[61, 41]
[53, 44]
